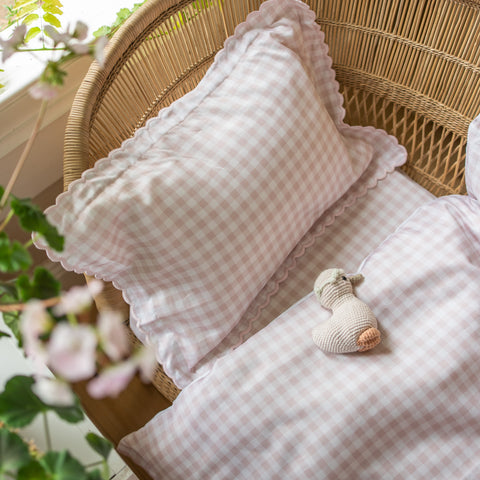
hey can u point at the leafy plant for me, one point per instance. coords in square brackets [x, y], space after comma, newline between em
[53, 327]
[122, 15]
[36, 15]
[19, 406]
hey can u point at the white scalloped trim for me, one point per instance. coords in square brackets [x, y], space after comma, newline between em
[382, 164]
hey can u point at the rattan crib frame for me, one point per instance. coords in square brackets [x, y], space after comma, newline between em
[411, 67]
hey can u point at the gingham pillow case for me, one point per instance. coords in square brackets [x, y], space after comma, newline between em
[192, 216]
[278, 407]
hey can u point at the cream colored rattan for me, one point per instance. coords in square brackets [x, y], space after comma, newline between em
[411, 67]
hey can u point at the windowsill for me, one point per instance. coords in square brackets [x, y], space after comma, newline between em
[18, 111]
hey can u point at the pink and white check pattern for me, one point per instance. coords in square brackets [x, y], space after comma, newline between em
[277, 407]
[342, 237]
[192, 216]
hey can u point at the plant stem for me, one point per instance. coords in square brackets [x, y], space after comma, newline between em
[25, 153]
[48, 438]
[28, 244]
[7, 219]
[42, 49]
[18, 307]
[94, 464]
[72, 319]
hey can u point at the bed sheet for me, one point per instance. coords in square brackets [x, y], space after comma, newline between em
[278, 407]
[341, 239]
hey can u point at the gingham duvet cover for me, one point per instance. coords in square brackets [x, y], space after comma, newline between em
[277, 407]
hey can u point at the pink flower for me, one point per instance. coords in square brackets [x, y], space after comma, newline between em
[11, 45]
[112, 380]
[81, 31]
[99, 51]
[147, 362]
[43, 91]
[35, 322]
[53, 392]
[79, 48]
[71, 351]
[113, 335]
[78, 299]
[56, 36]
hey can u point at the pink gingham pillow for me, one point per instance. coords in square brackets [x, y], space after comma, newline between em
[192, 216]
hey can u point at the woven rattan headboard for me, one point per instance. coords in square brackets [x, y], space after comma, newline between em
[411, 67]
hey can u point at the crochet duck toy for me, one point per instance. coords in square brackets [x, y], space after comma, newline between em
[352, 326]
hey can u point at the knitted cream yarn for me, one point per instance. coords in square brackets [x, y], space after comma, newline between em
[352, 326]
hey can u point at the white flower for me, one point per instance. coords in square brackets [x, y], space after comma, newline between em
[35, 322]
[53, 392]
[11, 45]
[99, 52]
[78, 299]
[43, 91]
[79, 48]
[81, 31]
[72, 351]
[113, 335]
[112, 380]
[56, 36]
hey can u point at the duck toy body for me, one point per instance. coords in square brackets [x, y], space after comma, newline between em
[352, 326]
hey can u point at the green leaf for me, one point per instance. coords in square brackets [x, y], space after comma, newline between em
[55, 3]
[27, 9]
[53, 74]
[62, 466]
[52, 20]
[32, 219]
[20, 3]
[4, 334]
[18, 404]
[13, 454]
[12, 320]
[21, 259]
[73, 414]
[43, 285]
[32, 33]
[101, 445]
[32, 471]
[30, 18]
[8, 295]
[49, 8]
[13, 256]
[94, 475]
[102, 31]
[122, 15]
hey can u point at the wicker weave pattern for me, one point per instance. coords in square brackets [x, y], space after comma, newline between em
[411, 67]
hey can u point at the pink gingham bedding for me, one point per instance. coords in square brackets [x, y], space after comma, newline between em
[277, 407]
[344, 235]
[192, 216]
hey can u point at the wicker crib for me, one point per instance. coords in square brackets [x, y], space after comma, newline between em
[410, 67]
